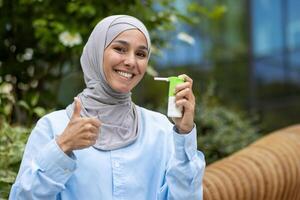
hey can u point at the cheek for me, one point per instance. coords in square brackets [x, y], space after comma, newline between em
[109, 61]
[105, 64]
[143, 66]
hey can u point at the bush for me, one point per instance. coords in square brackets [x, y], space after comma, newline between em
[221, 131]
[12, 144]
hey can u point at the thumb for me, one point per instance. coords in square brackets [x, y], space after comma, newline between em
[77, 108]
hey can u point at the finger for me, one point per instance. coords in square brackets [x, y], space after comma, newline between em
[86, 143]
[90, 128]
[91, 136]
[92, 142]
[94, 129]
[77, 108]
[186, 78]
[186, 93]
[182, 86]
[93, 121]
[187, 105]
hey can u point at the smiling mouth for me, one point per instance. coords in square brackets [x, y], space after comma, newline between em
[125, 74]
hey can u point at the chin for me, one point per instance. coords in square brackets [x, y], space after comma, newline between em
[122, 90]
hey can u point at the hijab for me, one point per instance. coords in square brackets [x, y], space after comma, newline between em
[115, 110]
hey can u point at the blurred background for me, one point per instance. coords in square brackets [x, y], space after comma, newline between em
[244, 58]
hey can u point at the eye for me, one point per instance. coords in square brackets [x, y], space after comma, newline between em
[142, 54]
[120, 49]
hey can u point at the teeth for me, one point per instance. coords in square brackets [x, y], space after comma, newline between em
[127, 75]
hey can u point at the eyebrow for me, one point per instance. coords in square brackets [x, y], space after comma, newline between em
[127, 44]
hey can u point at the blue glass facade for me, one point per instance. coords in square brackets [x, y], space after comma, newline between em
[293, 40]
[275, 35]
[267, 27]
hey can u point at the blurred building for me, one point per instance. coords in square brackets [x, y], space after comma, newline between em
[253, 53]
[275, 59]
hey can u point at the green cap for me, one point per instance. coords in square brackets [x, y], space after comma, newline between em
[174, 80]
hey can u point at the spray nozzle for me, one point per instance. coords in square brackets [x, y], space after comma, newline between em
[161, 79]
[169, 79]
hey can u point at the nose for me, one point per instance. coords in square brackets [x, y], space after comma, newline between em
[130, 60]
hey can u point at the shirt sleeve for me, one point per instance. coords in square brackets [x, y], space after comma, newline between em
[45, 168]
[185, 170]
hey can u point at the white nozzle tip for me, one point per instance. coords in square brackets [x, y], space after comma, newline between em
[161, 79]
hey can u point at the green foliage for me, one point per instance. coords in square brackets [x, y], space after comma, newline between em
[12, 143]
[29, 104]
[221, 131]
[41, 43]
[216, 12]
[6, 99]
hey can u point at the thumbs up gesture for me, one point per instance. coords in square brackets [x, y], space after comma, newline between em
[80, 133]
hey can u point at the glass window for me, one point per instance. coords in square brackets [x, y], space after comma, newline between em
[267, 26]
[293, 31]
[269, 69]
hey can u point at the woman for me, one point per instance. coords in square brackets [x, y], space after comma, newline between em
[102, 146]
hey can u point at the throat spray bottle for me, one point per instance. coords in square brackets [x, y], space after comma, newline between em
[173, 110]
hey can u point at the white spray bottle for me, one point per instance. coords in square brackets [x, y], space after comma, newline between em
[173, 110]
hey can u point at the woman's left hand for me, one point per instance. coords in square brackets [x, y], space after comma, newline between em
[186, 99]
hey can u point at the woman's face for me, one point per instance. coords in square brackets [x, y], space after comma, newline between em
[125, 60]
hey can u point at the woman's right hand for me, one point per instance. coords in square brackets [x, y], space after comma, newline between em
[80, 133]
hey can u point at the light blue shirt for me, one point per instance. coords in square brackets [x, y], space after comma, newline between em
[160, 164]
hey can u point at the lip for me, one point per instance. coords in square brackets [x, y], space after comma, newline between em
[123, 77]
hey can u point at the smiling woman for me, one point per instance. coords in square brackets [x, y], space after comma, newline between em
[103, 146]
[125, 60]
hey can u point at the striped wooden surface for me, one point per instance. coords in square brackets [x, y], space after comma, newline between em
[268, 169]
